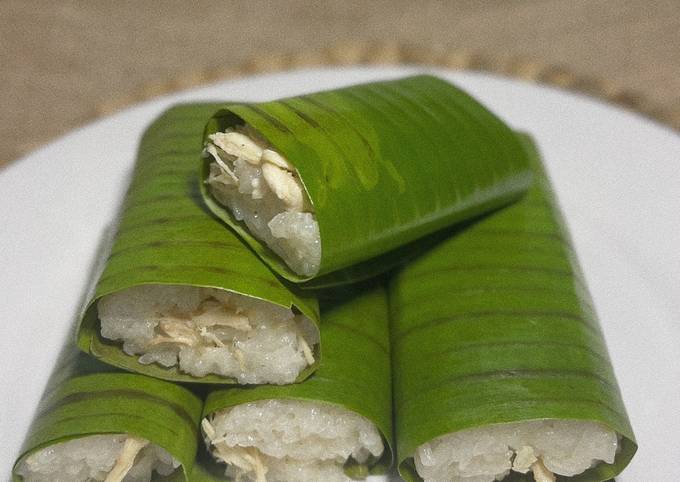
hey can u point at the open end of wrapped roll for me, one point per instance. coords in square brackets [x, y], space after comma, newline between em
[108, 458]
[292, 440]
[206, 331]
[544, 448]
[263, 190]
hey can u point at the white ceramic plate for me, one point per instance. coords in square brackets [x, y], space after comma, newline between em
[617, 176]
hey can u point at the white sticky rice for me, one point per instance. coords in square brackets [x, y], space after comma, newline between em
[290, 440]
[264, 191]
[210, 331]
[490, 453]
[92, 458]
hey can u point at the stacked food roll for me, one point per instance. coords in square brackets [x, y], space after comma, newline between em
[98, 423]
[336, 426]
[245, 289]
[326, 181]
[500, 367]
[182, 298]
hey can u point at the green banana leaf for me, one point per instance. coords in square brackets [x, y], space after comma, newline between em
[384, 164]
[495, 325]
[206, 470]
[354, 372]
[166, 236]
[85, 397]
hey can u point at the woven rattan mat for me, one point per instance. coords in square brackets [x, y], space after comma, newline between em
[531, 70]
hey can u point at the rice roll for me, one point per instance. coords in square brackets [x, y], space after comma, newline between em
[109, 458]
[500, 366]
[112, 427]
[335, 426]
[181, 298]
[320, 182]
[264, 191]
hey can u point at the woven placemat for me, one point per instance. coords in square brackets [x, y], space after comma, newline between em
[381, 53]
[394, 54]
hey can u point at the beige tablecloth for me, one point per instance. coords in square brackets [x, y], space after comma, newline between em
[66, 62]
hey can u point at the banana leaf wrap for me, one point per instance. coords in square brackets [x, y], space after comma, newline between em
[495, 325]
[85, 397]
[354, 373]
[384, 164]
[165, 236]
[206, 469]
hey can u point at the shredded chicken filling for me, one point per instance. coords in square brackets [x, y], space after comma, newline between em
[546, 448]
[265, 191]
[245, 458]
[202, 328]
[126, 458]
[207, 331]
[280, 440]
[541, 473]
